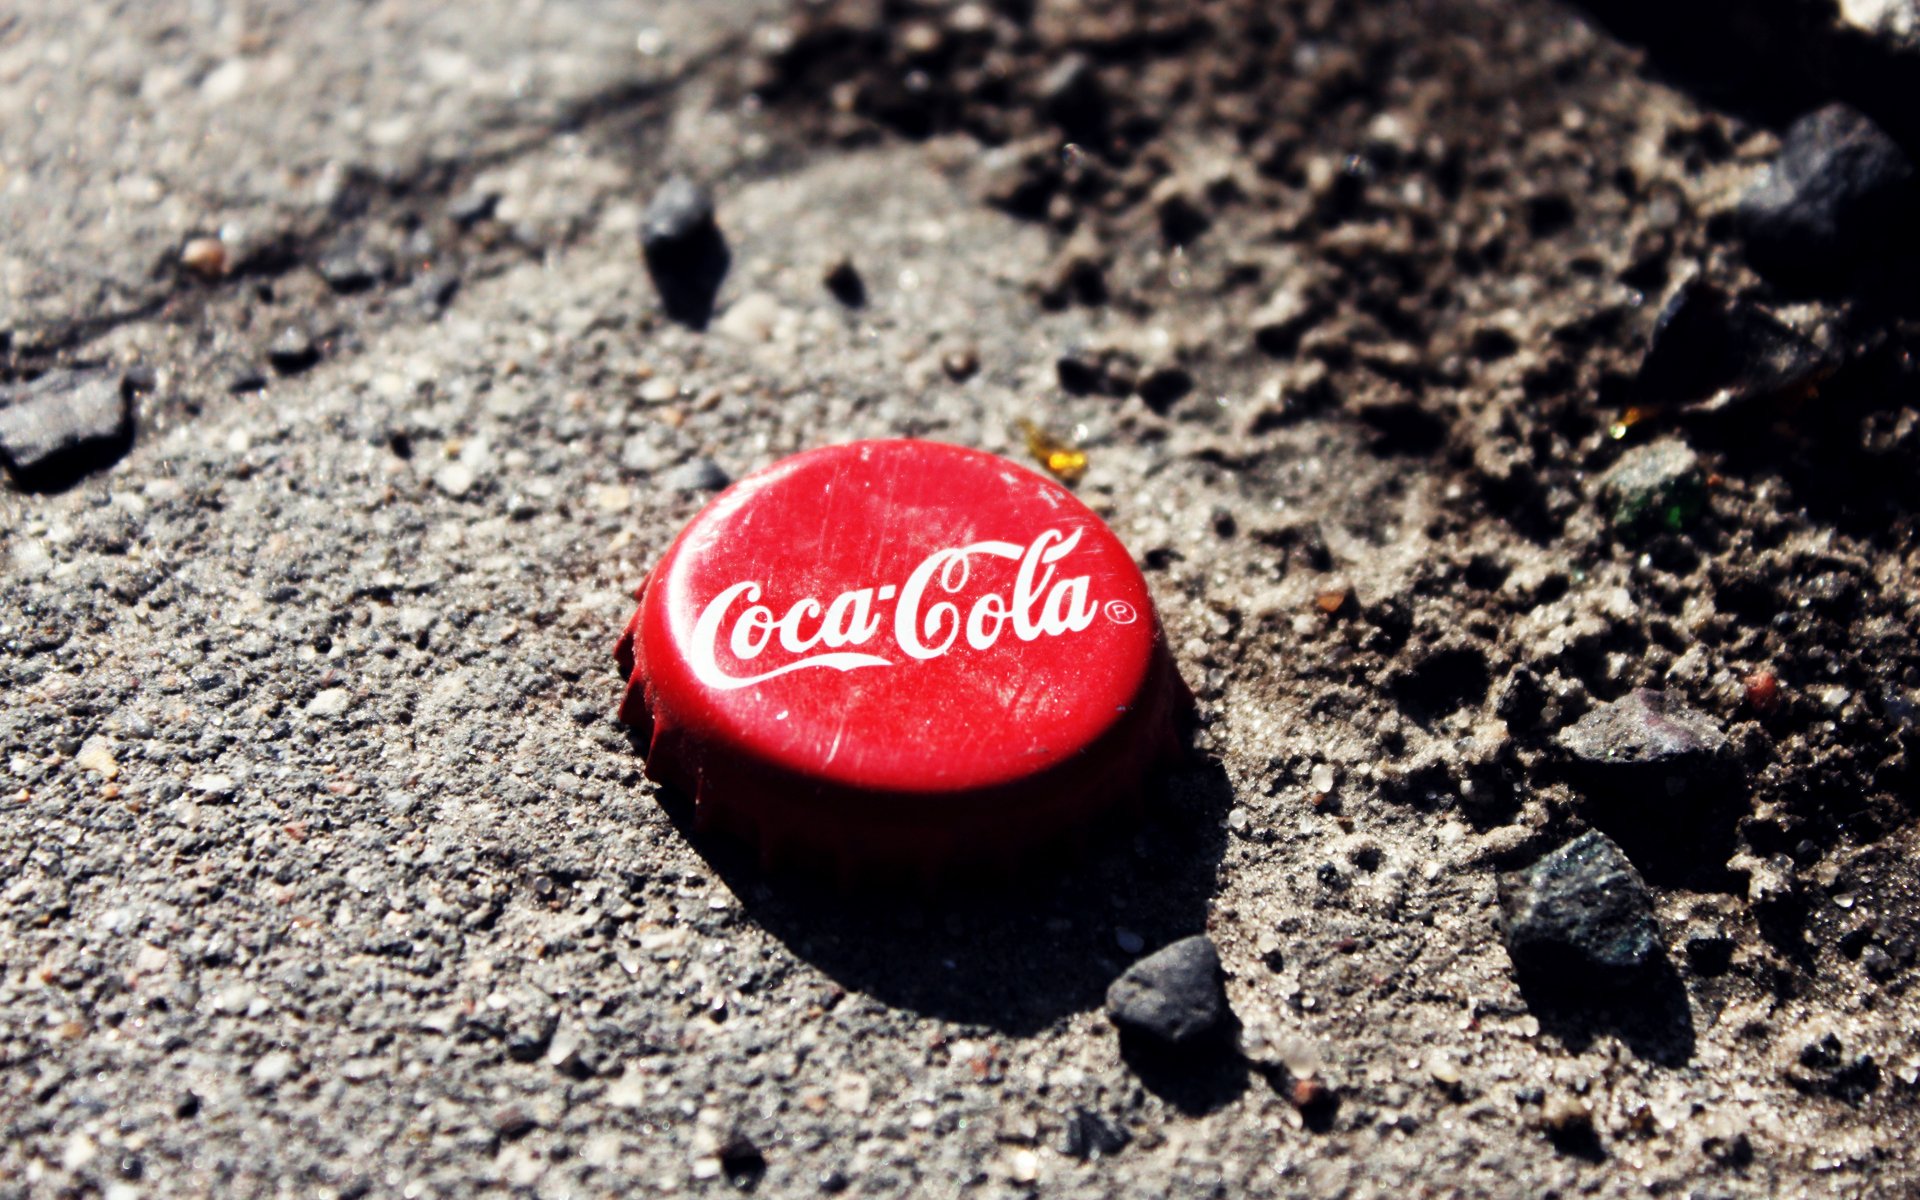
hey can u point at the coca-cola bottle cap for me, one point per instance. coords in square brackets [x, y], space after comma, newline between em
[902, 657]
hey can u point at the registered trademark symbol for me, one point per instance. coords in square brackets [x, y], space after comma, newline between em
[1121, 613]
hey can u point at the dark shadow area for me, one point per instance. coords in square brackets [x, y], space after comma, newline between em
[1578, 1139]
[688, 275]
[1844, 447]
[66, 469]
[1012, 954]
[1196, 1077]
[1676, 840]
[1575, 1004]
[1760, 59]
[67, 425]
[1769, 61]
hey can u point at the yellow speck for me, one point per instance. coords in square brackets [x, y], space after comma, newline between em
[1628, 419]
[1066, 462]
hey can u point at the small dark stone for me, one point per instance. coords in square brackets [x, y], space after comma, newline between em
[529, 1035]
[436, 289]
[1173, 994]
[835, 1182]
[1090, 1135]
[1654, 487]
[352, 266]
[1519, 697]
[62, 426]
[843, 280]
[686, 256]
[1840, 192]
[679, 214]
[1644, 730]
[513, 1122]
[696, 475]
[245, 378]
[742, 1162]
[960, 365]
[292, 351]
[1080, 372]
[1712, 353]
[1584, 906]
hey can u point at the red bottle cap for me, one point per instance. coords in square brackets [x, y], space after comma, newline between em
[900, 656]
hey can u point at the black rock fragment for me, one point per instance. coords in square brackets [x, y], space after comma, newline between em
[742, 1162]
[351, 265]
[64, 425]
[684, 251]
[844, 282]
[1712, 353]
[1090, 1135]
[1581, 909]
[1164, 387]
[1841, 192]
[1174, 994]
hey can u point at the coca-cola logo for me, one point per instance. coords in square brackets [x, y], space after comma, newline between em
[926, 621]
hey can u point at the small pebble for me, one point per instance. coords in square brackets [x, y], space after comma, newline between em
[1581, 908]
[456, 479]
[1174, 994]
[1656, 487]
[63, 425]
[472, 206]
[1023, 1166]
[331, 702]
[205, 257]
[1644, 731]
[273, 1068]
[843, 280]
[960, 365]
[678, 216]
[292, 351]
[696, 475]
[1839, 194]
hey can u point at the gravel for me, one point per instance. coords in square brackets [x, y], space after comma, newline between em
[1581, 907]
[1173, 994]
